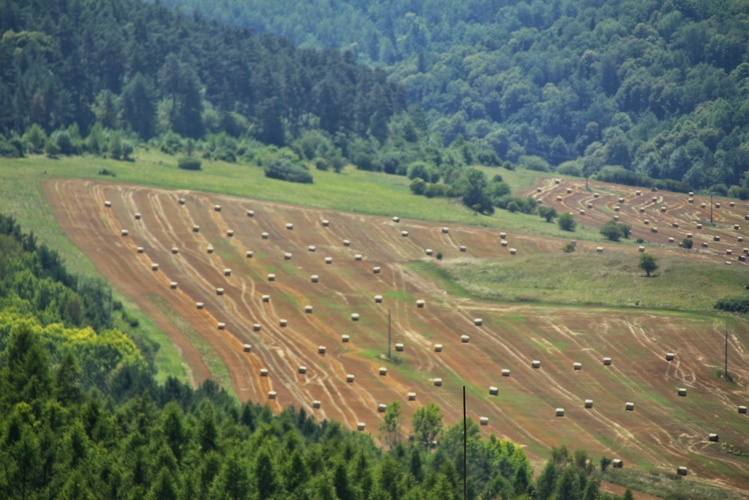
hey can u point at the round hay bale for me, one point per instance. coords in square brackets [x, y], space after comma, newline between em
[729, 252]
[689, 235]
[493, 391]
[577, 366]
[354, 317]
[108, 204]
[412, 396]
[137, 216]
[361, 426]
[464, 339]
[557, 181]
[289, 226]
[311, 248]
[616, 218]
[302, 370]
[345, 338]
[256, 327]
[463, 249]
[428, 251]
[599, 249]
[381, 408]
[535, 363]
[588, 403]
[671, 239]
[227, 272]
[378, 299]
[438, 382]
[617, 463]
[272, 394]
[736, 227]
[377, 270]
[173, 285]
[328, 260]
[209, 249]
[717, 205]
[266, 298]
[641, 248]
[675, 224]
[746, 217]
[349, 378]
[682, 392]
[503, 243]
[646, 222]
[616, 208]
[728, 263]
[595, 195]
[271, 277]
[140, 250]
[682, 471]
[742, 410]
[653, 229]
[505, 372]
[642, 210]
[221, 326]
[247, 348]
[713, 437]
[308, 309]
[346, 243]
[321, 349]
[607, 361]
[230, 233]
[742, 258]
[404, 234]
[691, 193]
[250, 213]
[638, 193]
[437, 347]
[396, 219]
[264, 235]
[358, 257]
[154, 267]
[478, 321]
[325, 222]
[263, 372]
[513, 251]
[219, 291]
[316, 404]
[314, 278]
[538, 190]
[629, 406]
[483, 420]
[590, 205]
[420, 303]
[249, 254]
[286, 256]
[703, 205]
[663, 209]
[217, 208]
[181, 201]
[124, 232]
[732, 204]
[503, 235]
[175, 250]
[399, 347]
[704, 244]
[716, 238]
[199, 305]
[283, 322]
[445, 230]
[670, 356]
[383, 371]
[690, 200]
[559, 412]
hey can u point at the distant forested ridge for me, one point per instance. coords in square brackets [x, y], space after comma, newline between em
[140, 67]
[660, 88]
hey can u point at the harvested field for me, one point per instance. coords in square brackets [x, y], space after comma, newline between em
[665, 431]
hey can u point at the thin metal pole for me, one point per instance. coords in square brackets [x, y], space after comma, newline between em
[390, 335]
[465, 448]
[711, 209]
[725, 362]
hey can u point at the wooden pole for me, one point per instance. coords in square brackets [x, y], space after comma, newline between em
[465, 448]
[725, 359]
[390, 335]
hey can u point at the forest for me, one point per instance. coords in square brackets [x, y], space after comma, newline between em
[657, 88]
[82, 417]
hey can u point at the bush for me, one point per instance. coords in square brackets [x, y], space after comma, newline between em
[569, 247]
[418, 186]
[285, 170]
[739, 304]
[437, 191]
[614, 231]
[536, 163]
[189, 163]
[686, 243]
[566, 222]
[572, 168]
[9, 150]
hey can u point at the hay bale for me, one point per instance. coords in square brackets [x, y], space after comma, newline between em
[478, 321]
[595, 195]
[653, 229]
[250, 213]
[175, 250]
[377, 270]
[219, 291]
[505, 372]
[483, 420]
[689, 235]
[641, 249]
[354, 317]
[716, 238]
[703, 205]
[209, 249]
[221, 326]
[503, 243]
[704, 244]
[383, 371]
[321, 349]
[314, 278]
[746, 217]
[108, 204]
[325, 222]
[493, 391]
[638, 193]
[349, 378]
[316, 404]
[569, 190]
[438, 382]
[272, 394]
[607, 361]
[140, 250]
[311, 248]
[358, 257]
[173, 285]
[283, 322]
[437, 347]
[463, 249]
[256, 327]
[264, 235]
[599, 249]
[690, 200]
[263, 372]
[588, 403]
[247, 348]
[181, 201]
[616, 218]
[728, 263]
[535, 363]
[302, 370]
[742, 410]
[381, 408]
[289, 226]
[346, 243]
[199, 305]
[411, 396]
[271, 277]
[682, 471]
[717, 205]
[396, 219]
[399, 347]
[732, 204]
[646, 222]
[266, 298]
[577, 366]
[345, 338]
[590, 205]
[230, 233]
[682, 392]
[445, 230]
[675, 224]
[308, 309]
[154, 267]
[378, 299]
[513, 251]
[124, 232]
[249, 254]
[328, 260]
[227, 272]
[742, 258]
[736, 227]
[137, 216]
[729, 252]
[557, 181]
[428, 251]
[538, 190]
[629, 406]
[670, 356]
[616, 208]
[420, 303]
[617, 463]
[404, 234]
[503, 235]
[361, 426]
[671, 239]
[286, 256]
[713, 437]
[691, 193]
[663, 209]
[217, 208]
[464, 339]
[559, 412]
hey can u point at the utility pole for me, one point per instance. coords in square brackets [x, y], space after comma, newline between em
[711, 209]
[725, 359]
[465, 448]
[389, 331]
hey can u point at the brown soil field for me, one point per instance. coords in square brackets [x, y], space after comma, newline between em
[664, 431]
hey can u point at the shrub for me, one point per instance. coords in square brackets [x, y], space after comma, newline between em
[614, 231]
[418, 186]
[569, 247]
[739, 304]
[686, 243]
[566, 222]
[285, 170]
[572, 168]
[189, 163]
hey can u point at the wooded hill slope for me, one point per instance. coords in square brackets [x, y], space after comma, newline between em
[659, 88]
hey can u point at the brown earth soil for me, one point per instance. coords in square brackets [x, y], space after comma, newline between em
[664, 430]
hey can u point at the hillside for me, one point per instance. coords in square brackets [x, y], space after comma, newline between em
[656, 87]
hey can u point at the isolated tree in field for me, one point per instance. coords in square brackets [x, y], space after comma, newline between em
[614, 231]
[686, 243]
[390, 426]
[548, 213]
[566, 222]
[427, 424]
[648, 263]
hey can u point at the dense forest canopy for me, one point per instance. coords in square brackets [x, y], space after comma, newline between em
[659, 88]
